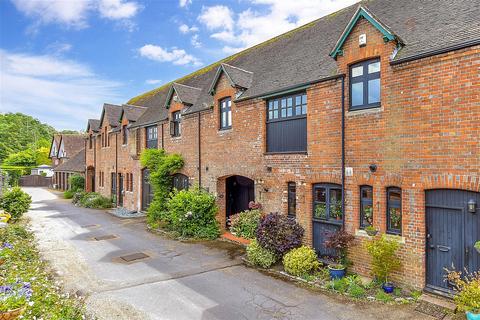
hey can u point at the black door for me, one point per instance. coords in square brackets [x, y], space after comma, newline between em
[327, 216]
[113, 191]
[120, 190]
[451, 234]
[240, 191]
[147, 191]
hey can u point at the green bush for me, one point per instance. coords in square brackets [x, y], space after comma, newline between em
[93, 200]
[384, 258]
[382, 296]
[161, 166]
[192, 213]
[68, 194]
[300, 261]
[356, 291]
[245, 224]
[260, 256]
[16, 202]
[77, 183]
[77, 197]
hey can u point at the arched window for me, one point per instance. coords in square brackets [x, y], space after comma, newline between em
[366, 206]
[394, 210]
[180, 181]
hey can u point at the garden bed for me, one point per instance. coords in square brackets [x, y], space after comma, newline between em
[348, 286]
[23, 265]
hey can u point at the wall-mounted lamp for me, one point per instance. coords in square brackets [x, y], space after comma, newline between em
[472, 206]
[372, 167]
[269, 169]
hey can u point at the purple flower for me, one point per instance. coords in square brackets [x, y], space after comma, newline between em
[7, 245]
[5, 289]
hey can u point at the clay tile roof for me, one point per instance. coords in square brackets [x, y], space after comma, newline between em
[74, 164]
[93, 124]
[112, 113]
[132, 113]
[187, 94]
[301, 56]
[72, 143]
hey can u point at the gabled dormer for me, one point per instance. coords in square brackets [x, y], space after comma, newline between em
[363, 13]
[108, 121]
[238, 78]
[129, 115]
[180, 93]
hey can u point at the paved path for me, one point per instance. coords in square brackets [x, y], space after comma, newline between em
[179, 281]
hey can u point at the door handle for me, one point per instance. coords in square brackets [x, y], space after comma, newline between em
[443, 248]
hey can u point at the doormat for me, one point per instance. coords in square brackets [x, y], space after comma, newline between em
[105, 237]
[134, 257]
[430, 309]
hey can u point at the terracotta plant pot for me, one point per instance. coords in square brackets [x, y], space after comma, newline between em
[12, 314]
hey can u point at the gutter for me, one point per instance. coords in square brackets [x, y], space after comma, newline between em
[343, 150]
[199, 151]
[290, 88]
[436, 52]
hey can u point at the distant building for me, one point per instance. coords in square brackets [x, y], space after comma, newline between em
[43, 170]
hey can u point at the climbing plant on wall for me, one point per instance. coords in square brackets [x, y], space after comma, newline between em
[161, 166]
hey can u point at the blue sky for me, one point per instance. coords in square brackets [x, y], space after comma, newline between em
[60, 60]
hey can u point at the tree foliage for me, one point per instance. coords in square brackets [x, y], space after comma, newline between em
[20, 132]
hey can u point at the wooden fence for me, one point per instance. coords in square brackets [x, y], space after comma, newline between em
[35, 181]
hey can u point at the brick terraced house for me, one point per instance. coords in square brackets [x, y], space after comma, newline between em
[368, 116]
[67, 152]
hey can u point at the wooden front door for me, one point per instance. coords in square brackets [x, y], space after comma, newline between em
[327, 215]
[147, 191]
[120, 190]
[451, 235]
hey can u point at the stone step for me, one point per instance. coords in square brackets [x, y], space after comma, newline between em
[442, 302]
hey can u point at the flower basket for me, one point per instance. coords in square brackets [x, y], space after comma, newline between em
[371, 233]
[12, 314]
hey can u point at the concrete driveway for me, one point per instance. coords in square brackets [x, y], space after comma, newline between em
[178, 280]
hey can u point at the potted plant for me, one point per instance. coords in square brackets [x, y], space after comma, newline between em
[384, 259]
[5, 252]
[13, 299]
[371, 231]
[339, 241]
[467, 295]
[477, 246]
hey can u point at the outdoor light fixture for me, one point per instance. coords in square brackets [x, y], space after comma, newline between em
[373, 167]
[472, 206]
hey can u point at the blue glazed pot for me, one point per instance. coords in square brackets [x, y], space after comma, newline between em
[336, 273]
[473, 316]
[388, 287]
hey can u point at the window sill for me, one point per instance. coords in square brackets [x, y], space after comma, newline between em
[364, 111]
[222, 130]
[286, 153]
[398, 238]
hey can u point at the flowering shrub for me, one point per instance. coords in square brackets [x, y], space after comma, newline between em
[245, 224]
[91, 200]
[252, 205]
[339, 241]
[279, 233]
[259, 256]
[300, 261]
[191, 213]
[36, 291]
[16, 202]
[467, 288]
[14, 295]
[5, 251]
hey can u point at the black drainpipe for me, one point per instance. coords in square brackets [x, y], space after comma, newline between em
[199, 153]
[116, 170]
[94, 188]
[163, 146]
[343, 150]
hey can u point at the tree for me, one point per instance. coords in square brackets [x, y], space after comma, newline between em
[19, 132]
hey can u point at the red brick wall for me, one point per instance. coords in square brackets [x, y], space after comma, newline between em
[425, 135]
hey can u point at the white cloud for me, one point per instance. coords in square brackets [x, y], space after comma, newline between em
[118, 9]
[184, 3]
[217, 17]
[61, 92]
[74, 13]
[175, 55]
[195, 42]
[153, 81]
[57, 47]
[186, 29]
[249, 27]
